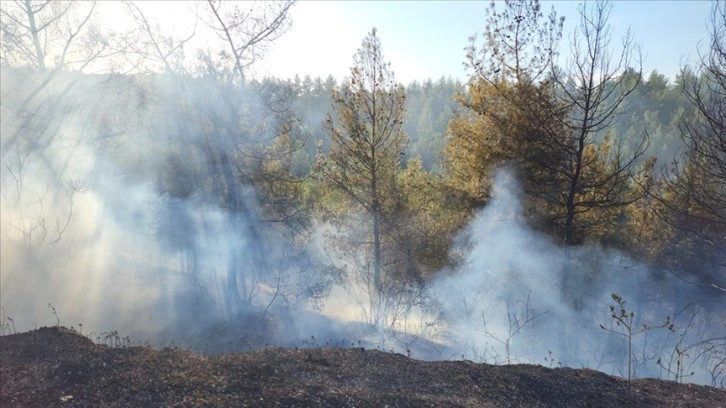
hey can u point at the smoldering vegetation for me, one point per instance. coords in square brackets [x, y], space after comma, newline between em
[116, 211]
[118, 203]
[519, 297]
[205, 209]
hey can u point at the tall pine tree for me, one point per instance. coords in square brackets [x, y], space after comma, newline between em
[367, 143]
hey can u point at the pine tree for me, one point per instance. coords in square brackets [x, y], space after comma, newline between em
[368, 143]
[550, 125]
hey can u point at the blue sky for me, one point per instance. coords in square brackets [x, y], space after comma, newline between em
[426, 39]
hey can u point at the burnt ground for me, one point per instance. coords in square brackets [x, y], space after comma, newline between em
[52, 367]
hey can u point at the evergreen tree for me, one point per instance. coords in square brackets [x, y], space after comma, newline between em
[368, 143]
[550, 125]
[696, 195]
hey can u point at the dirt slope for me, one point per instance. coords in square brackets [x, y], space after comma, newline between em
[55, 368]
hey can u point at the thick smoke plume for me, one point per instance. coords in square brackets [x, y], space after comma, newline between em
[520, 298]
[112, 212]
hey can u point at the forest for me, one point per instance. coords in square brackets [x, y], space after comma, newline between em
[164, 193]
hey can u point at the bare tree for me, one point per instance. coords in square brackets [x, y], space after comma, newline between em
[154, 46]
[241, 125]
[247, 33]
[51, 34]
[593, 91]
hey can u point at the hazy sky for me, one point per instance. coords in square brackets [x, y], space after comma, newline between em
[426, 39]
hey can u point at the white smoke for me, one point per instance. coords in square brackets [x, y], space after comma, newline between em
[87, 228]
[521, 298]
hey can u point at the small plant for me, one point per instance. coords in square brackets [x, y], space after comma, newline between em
[55, 313]
[625, 326]
[12, 323]
[710, 352]
[6, 323]
[717, 369]
[312, 343]
[678, 372]
[518, 320]
[550, 360]
[111, 338]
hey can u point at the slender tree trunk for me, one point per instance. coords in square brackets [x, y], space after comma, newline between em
[570, 208]
[570, 204]
[377, 252]
[374, 188]
[233, 299]
[376, 215]
[40, 55]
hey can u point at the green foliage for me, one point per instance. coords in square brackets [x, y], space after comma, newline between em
[428, 218]
[551, 126]
[430, 106]
[367, 143]
[697, 211]
[681, 223]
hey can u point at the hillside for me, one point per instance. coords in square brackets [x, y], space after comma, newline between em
[52, 367]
